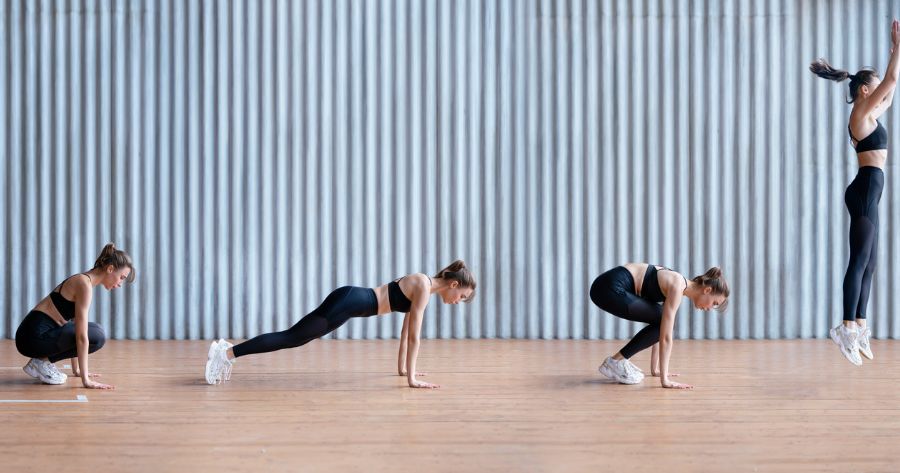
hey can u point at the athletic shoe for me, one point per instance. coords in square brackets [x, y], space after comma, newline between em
[864, 348]
[212, 367]
[633, 366]
[633, 371]
[217, 363]
[224, 343]
[620, 371]
[44, 371]
[848, 340]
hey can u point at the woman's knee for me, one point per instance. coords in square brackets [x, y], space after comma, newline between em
[96, 337]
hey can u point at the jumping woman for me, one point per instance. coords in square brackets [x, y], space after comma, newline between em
[408, 294]
[58, 327]
[651, 294]
[870, 97]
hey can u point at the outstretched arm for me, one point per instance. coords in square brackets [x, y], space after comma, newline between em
[670, 308]
[401, 358]
[883, 95]
[412, 354]
[83, 295]
[654, 361]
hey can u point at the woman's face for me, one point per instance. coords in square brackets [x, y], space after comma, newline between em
[115, 277]
[454, 294]
[707, 300]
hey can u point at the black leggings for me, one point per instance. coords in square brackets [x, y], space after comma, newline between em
[340, 306]
[613, 291]
[862, 197]
[38, 336]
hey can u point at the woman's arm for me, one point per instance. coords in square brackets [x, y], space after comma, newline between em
[83, 296]
[401, 358]
[883, 95]
[670, 308]
[654, 361]
[419, 301]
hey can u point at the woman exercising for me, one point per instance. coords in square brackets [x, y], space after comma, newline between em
[870, 97]
[408, 294]
[58, 327]
[651, 294]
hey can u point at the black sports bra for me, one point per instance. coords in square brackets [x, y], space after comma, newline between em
[650, 289]
[399, 301]
[65, 307]
[874, 141]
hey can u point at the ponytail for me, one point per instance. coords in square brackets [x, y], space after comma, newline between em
[823, 69]
[110, 255]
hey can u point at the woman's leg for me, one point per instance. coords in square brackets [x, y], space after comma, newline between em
[309, 328]
[862, 244]
[341, 305]
[39, 337]
[646, 312]
[66, 346]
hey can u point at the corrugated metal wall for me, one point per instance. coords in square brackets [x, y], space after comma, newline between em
[254, 155]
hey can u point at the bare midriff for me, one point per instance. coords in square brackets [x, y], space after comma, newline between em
[875, 158]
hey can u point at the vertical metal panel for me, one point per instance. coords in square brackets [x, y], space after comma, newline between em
[253, 156]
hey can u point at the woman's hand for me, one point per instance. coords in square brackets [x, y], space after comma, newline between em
[90, 384]
[422, 384]
[77, 374]
[673, 385]
[895, 33]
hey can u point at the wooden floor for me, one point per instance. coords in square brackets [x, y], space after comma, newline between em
[504, 406]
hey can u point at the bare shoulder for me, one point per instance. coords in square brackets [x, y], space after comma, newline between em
[673, 279]
[418, 281]
[80, 285]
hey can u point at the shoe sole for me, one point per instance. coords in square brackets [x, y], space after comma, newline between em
[209, 361]
[837, 341]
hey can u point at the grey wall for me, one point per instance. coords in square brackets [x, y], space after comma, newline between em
[254, 155]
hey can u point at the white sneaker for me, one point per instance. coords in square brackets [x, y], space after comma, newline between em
[230, 363]
[218, 366]
[848, 340]
[633, 371]
[44, 371]
[620, 371]
[863, 341]
[633, 366]
[211, 363]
